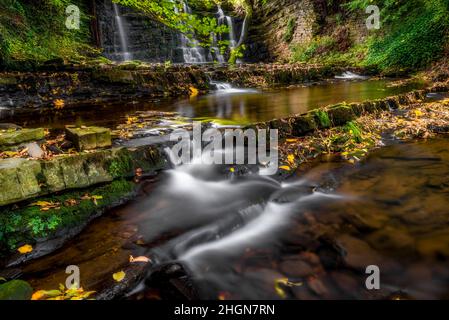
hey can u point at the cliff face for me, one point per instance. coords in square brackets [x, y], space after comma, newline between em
[276, 21]
[147, 40]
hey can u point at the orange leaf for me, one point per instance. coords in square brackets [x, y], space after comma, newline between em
[139, 259]
[25, 249]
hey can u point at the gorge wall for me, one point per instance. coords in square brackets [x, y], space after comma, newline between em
[147, 40]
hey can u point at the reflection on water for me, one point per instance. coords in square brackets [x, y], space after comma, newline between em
[242, 237]
[227, 104]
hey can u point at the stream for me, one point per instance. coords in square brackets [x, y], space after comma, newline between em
[212, 234]
[244, 237]
[225, 104]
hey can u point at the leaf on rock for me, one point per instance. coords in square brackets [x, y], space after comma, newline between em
[139, 259]
[25, 249]
[119, 276]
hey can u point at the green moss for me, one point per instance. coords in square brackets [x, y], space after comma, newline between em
[122, 165]
[28, 223]
[291, 26]
[322, 118]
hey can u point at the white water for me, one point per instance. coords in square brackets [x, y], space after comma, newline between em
[348, 75]
[229, 21]
[122, 34]
[224, 88]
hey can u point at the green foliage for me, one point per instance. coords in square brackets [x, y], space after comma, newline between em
[355, 132]
[237, 53]
[26, 224]
[34, 32]
[323, 118]
[414, 33]
[291, 26]
[414, 43]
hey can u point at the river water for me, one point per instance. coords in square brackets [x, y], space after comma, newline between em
[251, 237]
[228, 105]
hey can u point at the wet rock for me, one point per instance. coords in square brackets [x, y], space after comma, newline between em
[173, 282]
[15, 290]
[348, 283]
[340, 114]
[34, 150]
[89, 138]
[357, 253]
[12, 138]
[9, 126]
[295, 267]
[303, 124]
[390, 238]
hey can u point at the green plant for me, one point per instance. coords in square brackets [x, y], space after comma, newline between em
[291, 27]
[323, 118]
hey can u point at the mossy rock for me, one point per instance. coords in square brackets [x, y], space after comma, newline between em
[12, 138]
[303, 124]
[18, 178]
[89, 138]
[322, 119]
[15, 290]
[341, 114]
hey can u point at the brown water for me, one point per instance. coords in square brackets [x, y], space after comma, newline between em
[237, 106]
[241, 238]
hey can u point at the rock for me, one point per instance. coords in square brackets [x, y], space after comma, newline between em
[340, 114]
[357, 253]
[20, 136]
[296, 268]
[18, 178]
[9, 126]
[15, 290]
[89, 138]
[34, 150]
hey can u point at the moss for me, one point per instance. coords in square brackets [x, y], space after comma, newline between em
[29, 223]
[322, 119]
[122, 165]
[291, 27]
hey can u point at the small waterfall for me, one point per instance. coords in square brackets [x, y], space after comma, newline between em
[348, 75]
[192, 52]
[222, 19]
[122, 34]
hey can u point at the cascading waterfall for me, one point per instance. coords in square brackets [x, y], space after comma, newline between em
[122, 34]
[192, 53]
[229, 21]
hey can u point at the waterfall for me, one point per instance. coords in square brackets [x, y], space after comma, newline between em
[191, 51]
[229, 21]
[122, 34]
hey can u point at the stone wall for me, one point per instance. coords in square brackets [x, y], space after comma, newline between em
[148, 40]
[266, 35]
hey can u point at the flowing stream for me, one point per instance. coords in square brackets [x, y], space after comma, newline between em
[252, 237]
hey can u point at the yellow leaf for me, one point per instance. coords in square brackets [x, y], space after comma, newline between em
[25, 249]
[418, 113]
[286, 168]
[119, 276]
[277, 287]
[193, 92]
[291, 159]
[139, 259]
[42, 204]
[59, 104]
[232, 170]
[38, 295]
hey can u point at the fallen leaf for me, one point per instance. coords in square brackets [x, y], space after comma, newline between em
[286, 168]
[291, 159]
[58, 104]
[139, 259]
[119, 276]
[193, 92]
[25, 249]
